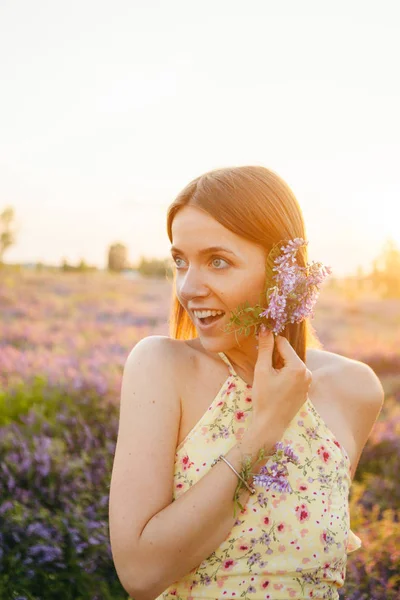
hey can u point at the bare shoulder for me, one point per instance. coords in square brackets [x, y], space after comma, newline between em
[156, 352]
[161, 342]
[355, 379]
[163, 356]
[358, 392]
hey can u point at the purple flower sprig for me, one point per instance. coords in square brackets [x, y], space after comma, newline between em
[272, 477]
[290, 293]
[275, 475]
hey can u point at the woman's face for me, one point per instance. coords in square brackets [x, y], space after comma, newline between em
[214, 279]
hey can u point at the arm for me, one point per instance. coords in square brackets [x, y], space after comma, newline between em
[186, 532]
[156, 541]
[362, 397]
[141, 480]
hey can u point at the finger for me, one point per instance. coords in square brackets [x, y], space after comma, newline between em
[265, 347]
[288, 353]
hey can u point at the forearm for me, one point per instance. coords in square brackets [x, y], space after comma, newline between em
[186, 532]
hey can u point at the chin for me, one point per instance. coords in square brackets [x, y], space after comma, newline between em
[217, 343]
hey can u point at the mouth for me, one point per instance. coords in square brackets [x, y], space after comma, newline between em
[207, 322]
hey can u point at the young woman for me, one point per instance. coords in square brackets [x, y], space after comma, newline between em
[201, 393]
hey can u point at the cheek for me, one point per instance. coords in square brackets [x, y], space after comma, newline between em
[244, 293]
[249, 288]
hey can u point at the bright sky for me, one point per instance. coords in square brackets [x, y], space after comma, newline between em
[108, 109]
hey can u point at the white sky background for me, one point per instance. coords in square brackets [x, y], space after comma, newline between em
[108, 109]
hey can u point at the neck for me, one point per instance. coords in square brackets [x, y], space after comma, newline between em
[244, 359]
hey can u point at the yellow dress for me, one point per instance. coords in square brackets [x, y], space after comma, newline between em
[290, 541]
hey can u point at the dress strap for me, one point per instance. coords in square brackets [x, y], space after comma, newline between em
[228, 363]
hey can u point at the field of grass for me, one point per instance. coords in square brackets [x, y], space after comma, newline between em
[64, 341]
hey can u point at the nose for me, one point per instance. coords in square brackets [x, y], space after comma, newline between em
[192, 286]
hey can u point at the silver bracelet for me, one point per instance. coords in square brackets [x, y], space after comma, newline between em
[221, 456]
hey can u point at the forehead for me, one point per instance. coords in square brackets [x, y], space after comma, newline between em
[193, 227]
[191, 217]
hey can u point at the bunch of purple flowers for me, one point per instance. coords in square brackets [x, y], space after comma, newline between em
[295, 292]
[275, 476]
[290, 293]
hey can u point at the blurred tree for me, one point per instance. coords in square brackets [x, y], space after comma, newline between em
[82, 266]
[117, 257]
[360, 278]
[64, 265]
[7, 234]
[385, 274]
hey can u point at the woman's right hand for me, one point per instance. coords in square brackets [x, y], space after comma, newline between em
[278, 394]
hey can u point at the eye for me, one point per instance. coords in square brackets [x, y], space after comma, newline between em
[223, 260]
[214, 258]
[175, 258]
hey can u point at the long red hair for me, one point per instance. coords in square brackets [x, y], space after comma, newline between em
[257, 204]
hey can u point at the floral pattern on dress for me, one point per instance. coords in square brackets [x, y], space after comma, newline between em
[289, 541]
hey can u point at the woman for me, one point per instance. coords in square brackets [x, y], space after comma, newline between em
[203, 393]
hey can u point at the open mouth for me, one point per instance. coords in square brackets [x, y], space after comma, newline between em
[209, 320]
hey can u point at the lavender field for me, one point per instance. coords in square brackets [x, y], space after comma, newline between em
[64, 341]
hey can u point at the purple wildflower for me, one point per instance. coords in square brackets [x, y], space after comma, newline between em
[44, 553]
[291, 291]
[295, 292]
[274, 475]
[287, 451]
[279, 484]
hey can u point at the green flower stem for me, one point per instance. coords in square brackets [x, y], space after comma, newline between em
[246, 473]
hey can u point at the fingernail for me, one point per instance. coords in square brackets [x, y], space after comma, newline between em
[263, 328]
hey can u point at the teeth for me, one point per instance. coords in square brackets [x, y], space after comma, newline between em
[201, 314]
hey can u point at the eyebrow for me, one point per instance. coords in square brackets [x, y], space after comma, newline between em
[174, 249]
